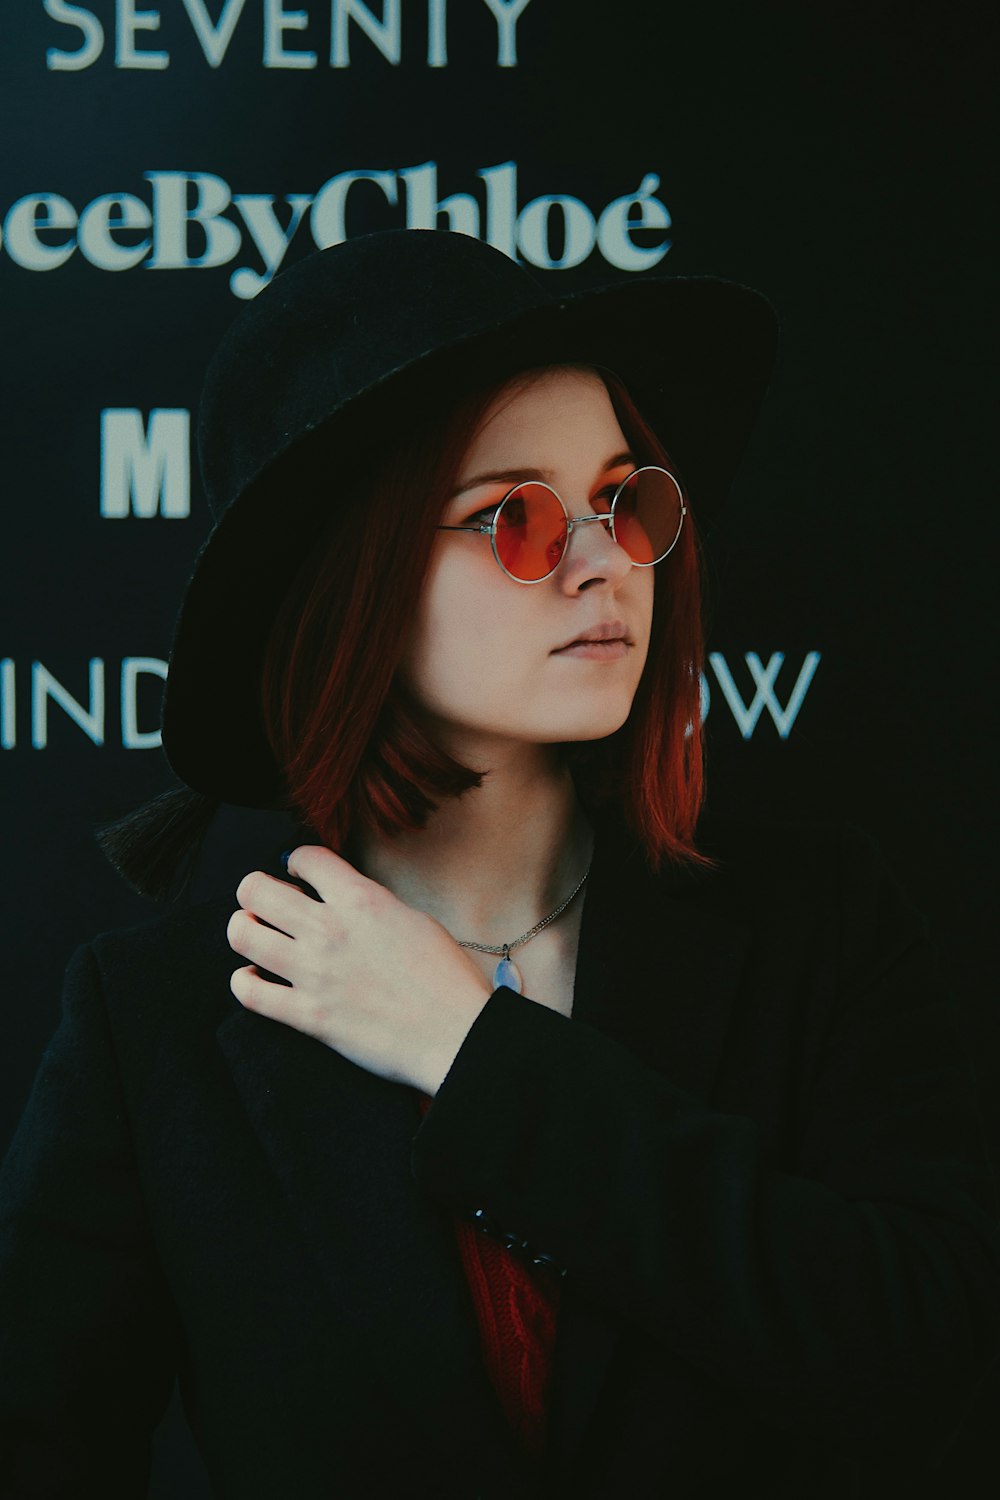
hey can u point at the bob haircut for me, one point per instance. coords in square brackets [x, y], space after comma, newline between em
[343, 730]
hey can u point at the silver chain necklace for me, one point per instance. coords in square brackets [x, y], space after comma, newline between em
[507, 973]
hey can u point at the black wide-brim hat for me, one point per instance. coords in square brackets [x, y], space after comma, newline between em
[356, 334]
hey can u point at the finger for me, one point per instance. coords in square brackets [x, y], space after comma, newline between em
[326, 872]
[261, 945]
[256, 993]
[279, 904]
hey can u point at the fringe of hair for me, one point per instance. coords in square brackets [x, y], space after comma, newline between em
[155, 847]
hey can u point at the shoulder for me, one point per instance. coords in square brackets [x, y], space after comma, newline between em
[823, 882]
[135, 999]
[799, 858]
[813, 880]
[178, 959]
[192, 932]
[757, 860]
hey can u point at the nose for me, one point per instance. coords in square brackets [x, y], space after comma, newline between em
[592, 556]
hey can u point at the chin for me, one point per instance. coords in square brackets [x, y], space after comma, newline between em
[605, 714]
[604, 732]
[579, 728]
[550, 719]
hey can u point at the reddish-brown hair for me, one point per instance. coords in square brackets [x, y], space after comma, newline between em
[349, 742]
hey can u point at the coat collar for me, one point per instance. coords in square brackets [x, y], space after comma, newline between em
[656, 970]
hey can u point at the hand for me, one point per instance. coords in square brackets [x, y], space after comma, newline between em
[383, 984]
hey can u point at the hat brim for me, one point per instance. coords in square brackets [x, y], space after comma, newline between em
[695, 354]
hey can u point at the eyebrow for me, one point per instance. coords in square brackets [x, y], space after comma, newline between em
[516, 475]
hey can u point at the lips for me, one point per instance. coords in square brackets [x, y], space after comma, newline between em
[608, 630]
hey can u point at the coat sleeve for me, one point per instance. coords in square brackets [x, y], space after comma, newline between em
[87, 1349]
[855, 1296]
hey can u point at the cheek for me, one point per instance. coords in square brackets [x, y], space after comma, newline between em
[456, 639]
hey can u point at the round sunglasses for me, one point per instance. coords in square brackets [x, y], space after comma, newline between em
[530, 528]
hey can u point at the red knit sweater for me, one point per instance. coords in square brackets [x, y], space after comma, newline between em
[516, 1307]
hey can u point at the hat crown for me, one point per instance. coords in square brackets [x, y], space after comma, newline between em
[334, 326]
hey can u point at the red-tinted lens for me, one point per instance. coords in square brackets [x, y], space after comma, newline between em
[648, 515]
[531, 532]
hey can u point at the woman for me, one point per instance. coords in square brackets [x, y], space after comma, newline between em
[524, 1135]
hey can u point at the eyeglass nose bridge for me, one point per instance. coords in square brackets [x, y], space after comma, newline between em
[604, 515]
[599, 515]
[607, 516]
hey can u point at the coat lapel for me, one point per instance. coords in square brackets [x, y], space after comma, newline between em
[657, 966]
[339, 1139]
[656, 972]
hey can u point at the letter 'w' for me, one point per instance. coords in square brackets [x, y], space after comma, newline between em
[746, 715]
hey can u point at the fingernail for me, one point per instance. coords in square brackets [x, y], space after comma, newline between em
[286, 856]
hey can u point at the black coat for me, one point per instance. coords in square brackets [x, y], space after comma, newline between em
[753, 1151]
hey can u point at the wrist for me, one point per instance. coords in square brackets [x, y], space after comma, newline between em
[444, 1045]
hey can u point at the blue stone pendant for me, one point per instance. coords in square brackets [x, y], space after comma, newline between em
[507, 973]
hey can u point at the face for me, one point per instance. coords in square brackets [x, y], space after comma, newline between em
[490, 660]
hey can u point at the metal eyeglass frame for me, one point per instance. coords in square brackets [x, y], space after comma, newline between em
[490, 530]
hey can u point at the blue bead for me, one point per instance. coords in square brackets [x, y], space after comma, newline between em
[506, 973]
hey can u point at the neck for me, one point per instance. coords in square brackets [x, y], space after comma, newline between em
[494, 861]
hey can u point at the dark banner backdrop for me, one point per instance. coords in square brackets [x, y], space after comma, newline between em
[161, 161]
